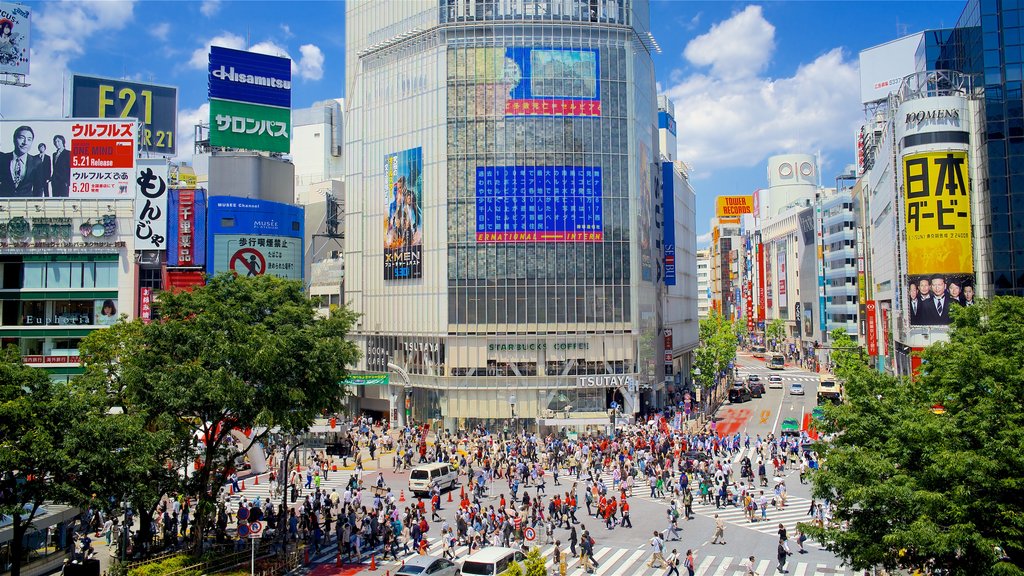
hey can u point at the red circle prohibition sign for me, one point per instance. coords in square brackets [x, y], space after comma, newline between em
[248, 262]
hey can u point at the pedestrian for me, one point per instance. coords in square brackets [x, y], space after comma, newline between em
[673, 563]
[657, 551]
[748, 567]
[719, 531]
[689, 563]
[800, 539]
[573, 538]
[783, 553]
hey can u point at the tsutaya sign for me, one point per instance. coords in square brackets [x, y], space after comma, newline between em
[607, 381]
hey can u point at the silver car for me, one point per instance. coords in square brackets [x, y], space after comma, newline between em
[417, 565]
[796, 389]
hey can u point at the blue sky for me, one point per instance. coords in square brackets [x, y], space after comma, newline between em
[748, 79]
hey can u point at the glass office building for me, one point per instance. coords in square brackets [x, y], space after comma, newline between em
[503, 221]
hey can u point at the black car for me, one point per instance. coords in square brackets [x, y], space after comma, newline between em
[756, 388]
[739, 393]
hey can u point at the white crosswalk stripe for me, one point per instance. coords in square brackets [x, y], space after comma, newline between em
[614, 561]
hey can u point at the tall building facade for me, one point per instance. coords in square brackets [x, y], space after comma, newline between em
[842, 261]
[503, 245]
[703, 283]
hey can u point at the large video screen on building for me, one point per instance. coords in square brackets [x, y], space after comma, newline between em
[940, 255]
[67, 159]
[538, 204]
[252, 255]
[403, 224]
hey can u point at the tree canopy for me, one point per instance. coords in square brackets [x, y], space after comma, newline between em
[775, 332]
[239, 352]
[927, 471]
[717, 349]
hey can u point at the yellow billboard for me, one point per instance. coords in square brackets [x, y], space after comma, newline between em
[734, 206]
[936, 188]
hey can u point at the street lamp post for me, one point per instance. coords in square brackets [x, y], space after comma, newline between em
[512, 404]
[700, 388]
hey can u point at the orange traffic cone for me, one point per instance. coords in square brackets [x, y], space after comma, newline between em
[401, 496]
[231, 489]
[257, 482]
[450, 495]
[462, 492]
[373, 562]
[243, 484]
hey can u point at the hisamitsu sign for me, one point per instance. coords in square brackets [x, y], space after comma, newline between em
[250, 77]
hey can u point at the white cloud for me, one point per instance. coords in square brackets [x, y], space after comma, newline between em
[733, 115]
[287, 30]
[160, 31]
[210, 7]
[61, 30]
[187, 120]
[201, 56]
[311, 66]
[735, 48]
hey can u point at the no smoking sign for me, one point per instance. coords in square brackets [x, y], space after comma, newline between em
[248, 262]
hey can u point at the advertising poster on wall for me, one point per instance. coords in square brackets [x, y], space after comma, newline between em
[643, 219]
[769, 287]
[403, 224]
[808, 320]
[940, 258]
[733, 206]
[781, 271]
[67, 159]
[15, 32]
[155, 106]
[151, 193]
[251, 255]
[105, 312]
[250, 127]
[518, 81]
[538, 204]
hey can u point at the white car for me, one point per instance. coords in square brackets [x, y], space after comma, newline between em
[796, 389]
[775, 381]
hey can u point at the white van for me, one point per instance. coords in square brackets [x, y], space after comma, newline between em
[493, 561]
[423, 478]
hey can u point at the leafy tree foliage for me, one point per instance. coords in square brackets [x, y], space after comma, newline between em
[237, 353]
[535, 563]
[916, 485]
[775, 332]
[717, 348]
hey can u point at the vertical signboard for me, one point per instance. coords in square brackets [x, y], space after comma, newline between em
[760, 280]
[156, 107]
[403, 226]
[186, 227]
[146, 305]
[940, 258]
[151, 205]
[669, 206]
[15, 31]
[781, 271]
[669, 349]
[872, 331]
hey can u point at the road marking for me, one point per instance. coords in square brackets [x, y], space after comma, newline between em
[801, 569]
[765, 414]
[723, 566]
[607, 564]
[762, 567]
[778, 413]
[703, 567]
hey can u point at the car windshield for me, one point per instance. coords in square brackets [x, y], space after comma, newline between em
[410, 570]
[419, 475]
[479, 568]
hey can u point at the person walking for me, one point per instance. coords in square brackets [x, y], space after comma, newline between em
[673, 563]
[719, 531]
[690, 563]
[748, 567]
[783, 553]
[587, 545]
[657, 551]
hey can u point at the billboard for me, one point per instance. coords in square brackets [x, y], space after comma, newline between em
[15, 31]
[250, 126]
[151, 192]
[538, 204]
[872, 329]
[734, 206]
[883, 67]
[644, 208]
[403, 224]
[252, 255]
[105, 311]
[155, 106]
[250, 77]
[781, 271]
[519, 81]
[669, 231]
[940, 257]
[67, 159]
[186, 228]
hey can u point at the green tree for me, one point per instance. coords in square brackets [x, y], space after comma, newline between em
[240, 352]
[58, 445]
[914, 486]
[775, 332]
[535, 563]
[717, 349]
[846, 354]
[514, 569]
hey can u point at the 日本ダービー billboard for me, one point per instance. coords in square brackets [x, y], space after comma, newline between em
[67, 159]
[937, 223]
[156, 107]
[403, 223]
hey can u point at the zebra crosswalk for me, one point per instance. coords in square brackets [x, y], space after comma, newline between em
[616, 561]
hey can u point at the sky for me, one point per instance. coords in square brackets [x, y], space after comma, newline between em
[748, 80]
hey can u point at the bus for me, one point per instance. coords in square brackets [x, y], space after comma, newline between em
[758, 351]
[829, 390]
[776, 361]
